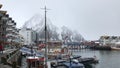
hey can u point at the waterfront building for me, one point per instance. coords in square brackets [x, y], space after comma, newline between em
[2, 27]
[19, 40]
[74, 45]
[29, 35]
[54, 46]
[109, 40]
[8, 30]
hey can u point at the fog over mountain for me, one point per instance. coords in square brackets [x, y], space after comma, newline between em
[37, 23]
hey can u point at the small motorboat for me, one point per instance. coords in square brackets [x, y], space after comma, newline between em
[68, 64]
[86, 60]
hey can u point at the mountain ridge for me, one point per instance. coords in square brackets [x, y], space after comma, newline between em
[37, 23]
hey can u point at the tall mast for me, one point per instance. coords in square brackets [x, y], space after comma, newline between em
[45, 39]
[46, 47]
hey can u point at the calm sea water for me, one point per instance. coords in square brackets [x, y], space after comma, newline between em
[107, 59]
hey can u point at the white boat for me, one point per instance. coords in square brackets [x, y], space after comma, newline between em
[115, 48]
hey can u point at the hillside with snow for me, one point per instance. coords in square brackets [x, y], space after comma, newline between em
[37, 23]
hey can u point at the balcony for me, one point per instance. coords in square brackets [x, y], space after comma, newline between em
[10, 23]
[13, 26]
[3, 12]
[9, 29]
[15, 31]
[9, 35]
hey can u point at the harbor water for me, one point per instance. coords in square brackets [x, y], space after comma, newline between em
[107, 59]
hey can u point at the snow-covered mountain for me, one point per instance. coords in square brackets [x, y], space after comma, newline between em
[37, 23]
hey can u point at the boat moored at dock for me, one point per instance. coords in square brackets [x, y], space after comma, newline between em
[35, 62]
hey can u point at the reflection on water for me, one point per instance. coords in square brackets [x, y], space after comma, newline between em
[107, 59]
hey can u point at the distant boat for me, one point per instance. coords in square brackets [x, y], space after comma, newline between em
[115, 48]
[85, 60]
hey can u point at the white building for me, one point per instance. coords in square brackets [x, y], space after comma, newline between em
[109, 40]
[29, 36]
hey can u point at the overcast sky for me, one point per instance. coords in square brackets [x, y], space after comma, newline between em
[92, 18]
